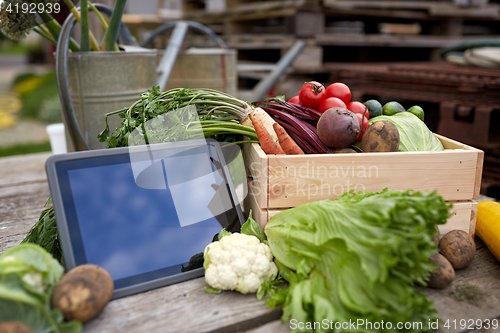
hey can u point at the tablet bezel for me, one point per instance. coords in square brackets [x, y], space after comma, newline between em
[62, 223]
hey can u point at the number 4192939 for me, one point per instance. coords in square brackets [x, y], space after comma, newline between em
[471, 324]
[33, 8]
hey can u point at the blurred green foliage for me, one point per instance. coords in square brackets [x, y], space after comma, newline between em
[27, 148]
[39, 96]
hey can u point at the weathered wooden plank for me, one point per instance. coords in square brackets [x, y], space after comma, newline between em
[379, 40]
[23, 169]
[433, 7]
[482, 273]
[183, 307]
[276, 326]
[20, 208]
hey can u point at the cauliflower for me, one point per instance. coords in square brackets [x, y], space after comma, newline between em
[238, 262]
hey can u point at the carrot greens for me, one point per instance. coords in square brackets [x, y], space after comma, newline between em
[219, 115]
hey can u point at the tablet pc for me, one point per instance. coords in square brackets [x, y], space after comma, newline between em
[145, 213]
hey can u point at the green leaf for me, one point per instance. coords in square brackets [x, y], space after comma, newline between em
[206, 258]
[268, 287]
[252, 228]
[224, 233]
[212, 290]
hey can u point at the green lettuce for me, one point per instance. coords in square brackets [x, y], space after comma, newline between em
[357, 259]
[414, 135]
[28, 274]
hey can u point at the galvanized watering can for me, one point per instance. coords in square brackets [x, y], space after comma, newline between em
[92, 84]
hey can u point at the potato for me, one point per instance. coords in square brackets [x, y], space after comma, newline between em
[83, 292]
[381, 136]
[443, 275]
[345, 151]
[458, 247]
[14, 327]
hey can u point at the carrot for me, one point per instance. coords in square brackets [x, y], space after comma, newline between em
[286, 142]
[262, 117]
[266, 141]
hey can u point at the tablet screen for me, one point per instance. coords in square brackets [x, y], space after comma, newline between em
[148, 219]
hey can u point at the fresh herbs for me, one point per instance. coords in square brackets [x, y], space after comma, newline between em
[44, 233]
[218, 115]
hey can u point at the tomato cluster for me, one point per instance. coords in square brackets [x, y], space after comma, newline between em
[314, 95]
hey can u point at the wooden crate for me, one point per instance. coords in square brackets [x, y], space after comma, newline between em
[281, 182]
[463, 218]
[288, 181]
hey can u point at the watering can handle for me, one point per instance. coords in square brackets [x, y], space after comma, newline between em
[74, 129]
[174, 44]
[194, 25]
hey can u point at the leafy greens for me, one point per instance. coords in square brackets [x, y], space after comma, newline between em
[414, 135]
[28, 274]
[357, 258]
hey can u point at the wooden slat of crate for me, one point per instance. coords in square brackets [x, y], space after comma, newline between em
[463, 218]
[288, 181]
[257, 167]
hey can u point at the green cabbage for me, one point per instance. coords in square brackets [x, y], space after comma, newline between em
[357, 258]
[414, 135]
[28, 274]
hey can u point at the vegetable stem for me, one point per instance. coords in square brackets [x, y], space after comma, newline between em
[75, 12]
[84, 25]
[111, 34]
[102, 19]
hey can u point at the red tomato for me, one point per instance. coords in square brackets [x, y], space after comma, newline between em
[294, 99]
[357, 107]
[339, 90]
[365, 125]
[330, 102]
[312, 94]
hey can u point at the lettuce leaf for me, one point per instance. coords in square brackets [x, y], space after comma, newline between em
[28, 274]
[358, 258]
[414, 135]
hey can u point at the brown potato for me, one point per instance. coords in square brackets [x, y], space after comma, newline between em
[443, 275]
[345, 151]
[381, 136]
[83, 292]
[14, 327]
[458, 247]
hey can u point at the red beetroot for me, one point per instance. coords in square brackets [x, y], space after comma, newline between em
[338, 127]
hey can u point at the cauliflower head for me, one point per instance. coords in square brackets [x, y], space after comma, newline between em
[238, 262]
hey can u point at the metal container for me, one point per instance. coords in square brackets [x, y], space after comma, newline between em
[100, 82]
[206, 68]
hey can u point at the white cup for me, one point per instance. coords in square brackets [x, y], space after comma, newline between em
[57, 138]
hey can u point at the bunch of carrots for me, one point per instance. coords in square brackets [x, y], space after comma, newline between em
[285, 144]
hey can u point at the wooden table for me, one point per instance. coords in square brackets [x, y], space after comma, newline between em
[185, 307]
